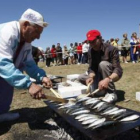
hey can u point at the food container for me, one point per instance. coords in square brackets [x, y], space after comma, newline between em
[72, 77]
[138, 96]
[71, 89]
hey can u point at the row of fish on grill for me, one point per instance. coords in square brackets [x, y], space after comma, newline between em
[94, 113]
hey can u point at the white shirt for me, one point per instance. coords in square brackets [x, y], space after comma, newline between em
[85, 48]
[12, 73]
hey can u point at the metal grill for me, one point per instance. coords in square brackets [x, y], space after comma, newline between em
[100, 133]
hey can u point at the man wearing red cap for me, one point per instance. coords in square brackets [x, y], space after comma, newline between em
[104, 67]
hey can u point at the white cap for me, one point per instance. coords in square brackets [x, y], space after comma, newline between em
[33, 17]
[40, 49]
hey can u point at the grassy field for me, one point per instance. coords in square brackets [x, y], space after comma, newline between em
[34, 114]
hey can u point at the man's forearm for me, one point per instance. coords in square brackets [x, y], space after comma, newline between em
[114, 77]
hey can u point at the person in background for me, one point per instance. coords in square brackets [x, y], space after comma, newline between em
[104, 67]
[125, 48]
[35, 53]
[85, 48]
[59, 54]
[65, 55]
[16, 57]
[133, 49]
[54, 56]
[138, 48]
[115, 43]
[75, 53]
[79, 53]
[111, 41]
[107, 42]
[48, 56]
[41, 54]
[71, 53]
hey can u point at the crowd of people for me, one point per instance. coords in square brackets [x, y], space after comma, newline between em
[129, 49]
[77, 53]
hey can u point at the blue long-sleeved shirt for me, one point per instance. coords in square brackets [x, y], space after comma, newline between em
[12, 72]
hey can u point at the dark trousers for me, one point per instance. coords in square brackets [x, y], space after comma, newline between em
[85, 58]
[48, 61]
[66, 61]
[104, 70]
[6, 96]
[79, 58]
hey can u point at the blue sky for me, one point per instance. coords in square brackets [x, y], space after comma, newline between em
[70, 20]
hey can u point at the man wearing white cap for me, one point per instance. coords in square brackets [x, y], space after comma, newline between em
[16, 57]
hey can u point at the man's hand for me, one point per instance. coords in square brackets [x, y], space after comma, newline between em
[89, 80]
[47, 82]
[36, 91]
[103, 84]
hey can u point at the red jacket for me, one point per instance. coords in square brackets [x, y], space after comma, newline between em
[79, 49]
[53, 52]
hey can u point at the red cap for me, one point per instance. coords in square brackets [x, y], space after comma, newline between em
[92, 34]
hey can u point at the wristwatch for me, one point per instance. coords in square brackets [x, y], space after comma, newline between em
[110, 80]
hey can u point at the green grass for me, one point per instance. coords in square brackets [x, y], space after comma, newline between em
[35, 112]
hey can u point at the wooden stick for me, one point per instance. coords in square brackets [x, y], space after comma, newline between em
[55, 93]
[95, 91]
[88, 88]
[56, 99]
